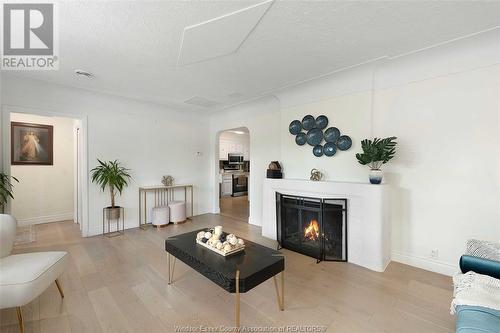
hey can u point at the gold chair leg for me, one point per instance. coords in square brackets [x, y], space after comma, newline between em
[20, 319]
[58, 284]
[280, 298]
[170, 269]
[237, 301]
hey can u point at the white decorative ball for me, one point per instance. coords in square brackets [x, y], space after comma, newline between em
[208, 235]
[241, 241]
[200, 235]
[227, 247]
[219, 245]
[233, 241]
[230, 236]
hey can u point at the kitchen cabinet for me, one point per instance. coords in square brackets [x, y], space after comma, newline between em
[227, 185]
[223, 150]
[246, 153]
[236, 144]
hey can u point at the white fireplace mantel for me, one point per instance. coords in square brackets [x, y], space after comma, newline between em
[368, 218]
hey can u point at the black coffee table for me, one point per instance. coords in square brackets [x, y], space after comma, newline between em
[237, 273]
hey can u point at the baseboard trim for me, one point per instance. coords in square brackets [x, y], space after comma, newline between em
[428, 264]
[47, 219]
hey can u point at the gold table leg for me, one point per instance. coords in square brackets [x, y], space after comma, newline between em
[58, 284]
[237, 303]
[20, 319]
[170, 270]
[280, 298]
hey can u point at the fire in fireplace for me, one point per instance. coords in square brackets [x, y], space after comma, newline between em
[312, 226]
[311, 232]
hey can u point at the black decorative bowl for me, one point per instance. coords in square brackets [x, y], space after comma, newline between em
[301, 139]
[344, 142]
[332, 134]
[321, 122]
[329, 149]
[308, 122]
[295, 127]
[314, 137]
[318, 150]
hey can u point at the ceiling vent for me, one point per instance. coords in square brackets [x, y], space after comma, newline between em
[82, 73]
[201, 101]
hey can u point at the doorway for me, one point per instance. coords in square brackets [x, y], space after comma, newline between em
[234, 173]
[52, 191]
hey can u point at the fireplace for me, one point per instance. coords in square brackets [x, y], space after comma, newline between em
[316, 227]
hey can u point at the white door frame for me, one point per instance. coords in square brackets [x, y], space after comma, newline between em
[8, 109]
[216, 196]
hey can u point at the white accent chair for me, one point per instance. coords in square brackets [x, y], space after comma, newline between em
[23, 277]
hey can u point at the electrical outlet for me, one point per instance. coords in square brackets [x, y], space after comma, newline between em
[434, 254]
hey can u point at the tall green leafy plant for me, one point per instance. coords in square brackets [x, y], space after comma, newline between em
[377, 152]
[6, 187]
[111, 175]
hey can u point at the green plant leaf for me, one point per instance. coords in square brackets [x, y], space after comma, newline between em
[376, 152]
[6, 187]
[111, 175]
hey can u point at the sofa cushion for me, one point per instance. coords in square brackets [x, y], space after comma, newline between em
[480, 266]
[477, 319]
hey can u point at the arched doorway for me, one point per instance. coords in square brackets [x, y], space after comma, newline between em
[233, 158]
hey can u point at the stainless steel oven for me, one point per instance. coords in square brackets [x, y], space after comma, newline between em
[240, 185]
[235, 159]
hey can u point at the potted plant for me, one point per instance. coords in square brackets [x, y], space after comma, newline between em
[375, 153]
[6, 187]
[114, 176]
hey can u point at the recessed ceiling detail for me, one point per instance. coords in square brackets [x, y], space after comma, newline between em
[220, 36]
[201, 101]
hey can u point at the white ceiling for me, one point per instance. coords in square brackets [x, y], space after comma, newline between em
[133, 48]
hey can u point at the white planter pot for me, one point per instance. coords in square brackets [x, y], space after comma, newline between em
[376, 176]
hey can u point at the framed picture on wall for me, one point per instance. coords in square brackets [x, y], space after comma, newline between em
[31, 144]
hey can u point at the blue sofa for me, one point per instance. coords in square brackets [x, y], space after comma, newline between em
[477, 319]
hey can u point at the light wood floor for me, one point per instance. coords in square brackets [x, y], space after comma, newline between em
[235, 207]
[119, 285]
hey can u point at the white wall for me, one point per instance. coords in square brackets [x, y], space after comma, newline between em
[261, 118]
[45, 192]
[443, 105]
[151, 140]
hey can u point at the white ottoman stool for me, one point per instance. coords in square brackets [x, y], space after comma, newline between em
[161, 216]
[177, 211]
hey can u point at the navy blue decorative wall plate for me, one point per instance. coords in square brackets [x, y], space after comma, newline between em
[308, 122]
[318, 150]
[344, 142]
[301, 139]
[332, 134]
[314, 136]
[321, 122]
[295, 127]
[329, 149]
[314, 130]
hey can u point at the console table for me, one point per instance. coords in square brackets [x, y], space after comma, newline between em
[235, 274]
[162, 196]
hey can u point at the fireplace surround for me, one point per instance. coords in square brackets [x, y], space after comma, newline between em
[368, 214]
[316, 227]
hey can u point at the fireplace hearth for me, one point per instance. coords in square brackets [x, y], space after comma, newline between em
[316, 227]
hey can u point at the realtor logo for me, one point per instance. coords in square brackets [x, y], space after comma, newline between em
[29, 37]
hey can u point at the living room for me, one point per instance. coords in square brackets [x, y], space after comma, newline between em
[152, 85]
